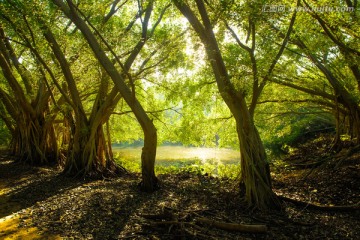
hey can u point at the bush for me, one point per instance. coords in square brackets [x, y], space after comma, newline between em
[294, 129]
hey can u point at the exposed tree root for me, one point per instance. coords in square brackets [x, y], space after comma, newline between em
[347, 154]
[310, 164]
[321, 207]
[331, 162]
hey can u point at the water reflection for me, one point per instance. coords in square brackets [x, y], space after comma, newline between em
[173, 153]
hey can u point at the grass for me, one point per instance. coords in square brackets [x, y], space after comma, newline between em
[173, 159]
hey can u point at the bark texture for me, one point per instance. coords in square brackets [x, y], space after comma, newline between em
[255, 179]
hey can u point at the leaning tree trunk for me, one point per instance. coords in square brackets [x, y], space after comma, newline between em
[149, 180]
[345, 97]
[86, 152]
[255, 173]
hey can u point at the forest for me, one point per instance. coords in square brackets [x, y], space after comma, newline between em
[179, 119]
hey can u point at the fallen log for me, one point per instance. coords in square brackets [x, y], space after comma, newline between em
[233, 226]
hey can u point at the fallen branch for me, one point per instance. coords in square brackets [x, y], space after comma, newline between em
[234, 226]
[168, 218]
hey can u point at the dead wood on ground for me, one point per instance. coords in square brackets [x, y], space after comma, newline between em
[189, 222]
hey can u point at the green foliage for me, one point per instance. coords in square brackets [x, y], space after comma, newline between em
[210, 168]
[179, 159]
[131, 166]
[285, 124]
[193, 166]
[5, 135]
[173, 79]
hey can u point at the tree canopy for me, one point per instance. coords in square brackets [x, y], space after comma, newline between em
[78, 76]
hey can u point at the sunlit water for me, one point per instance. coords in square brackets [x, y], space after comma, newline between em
[177, 153]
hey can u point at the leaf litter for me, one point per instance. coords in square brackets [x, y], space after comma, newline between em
[116, 209]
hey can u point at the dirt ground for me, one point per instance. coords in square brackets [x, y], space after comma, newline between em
[41, 203]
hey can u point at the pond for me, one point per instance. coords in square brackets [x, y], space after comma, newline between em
[220, 162]
[173, 154]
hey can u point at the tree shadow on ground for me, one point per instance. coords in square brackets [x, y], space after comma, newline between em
[114, 208]
[24, 186]
[90, 211]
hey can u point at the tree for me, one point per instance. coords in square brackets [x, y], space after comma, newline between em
[333, 53]
[345, 42]
[28, 115]
[149, 180]
[255, 172]
[86, 149]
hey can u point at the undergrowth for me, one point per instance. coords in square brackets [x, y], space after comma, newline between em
[211, 167]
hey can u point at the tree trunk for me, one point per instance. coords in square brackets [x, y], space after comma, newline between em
[343, 95]
[33, 139]
[88, 157]
[255, 173]
[150, 140]
[109, 150]
[255, 181]
[149, 181]
[355, 120]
